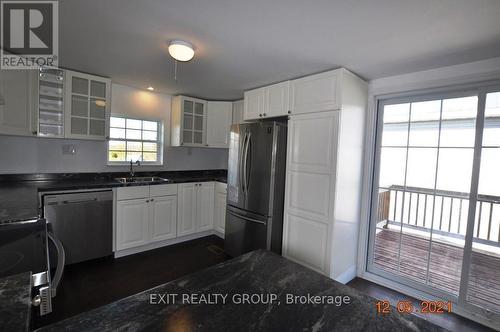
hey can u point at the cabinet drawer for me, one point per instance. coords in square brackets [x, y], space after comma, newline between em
[163, 190]
[132, 192]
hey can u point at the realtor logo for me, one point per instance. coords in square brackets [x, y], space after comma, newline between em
[29, 36]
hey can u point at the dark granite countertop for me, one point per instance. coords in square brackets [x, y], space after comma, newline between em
[259, 272]
[15, 302]
[19, 192]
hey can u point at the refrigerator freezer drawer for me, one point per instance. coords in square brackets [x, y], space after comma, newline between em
[244, 234]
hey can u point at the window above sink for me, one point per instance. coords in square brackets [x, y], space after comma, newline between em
[133, 139]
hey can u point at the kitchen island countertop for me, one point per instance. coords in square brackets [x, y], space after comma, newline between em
[15, 302]
[165, 308]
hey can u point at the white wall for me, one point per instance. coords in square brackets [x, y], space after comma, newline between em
[45, 155]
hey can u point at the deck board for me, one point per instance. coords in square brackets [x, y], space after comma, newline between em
[445, 266]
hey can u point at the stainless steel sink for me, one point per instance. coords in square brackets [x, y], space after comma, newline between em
[141, 179]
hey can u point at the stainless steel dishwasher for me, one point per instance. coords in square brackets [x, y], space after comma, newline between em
[82, 221]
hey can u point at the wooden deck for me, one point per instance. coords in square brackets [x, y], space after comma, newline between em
[444, 268]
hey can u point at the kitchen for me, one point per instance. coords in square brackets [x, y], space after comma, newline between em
[177, 176]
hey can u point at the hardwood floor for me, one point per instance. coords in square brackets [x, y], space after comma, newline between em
[91, 284]
[445, 266]
[451, 321]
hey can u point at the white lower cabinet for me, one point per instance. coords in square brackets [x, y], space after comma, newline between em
[148, 217]
[220, 207]
[196, 208]
[145, 216]
[132, 218]
[163, 219]
[186, 222]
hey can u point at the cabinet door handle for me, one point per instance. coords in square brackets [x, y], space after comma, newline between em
[147, 201]
[289, 112]
[263, 114]
[152, 200]
[260, 115]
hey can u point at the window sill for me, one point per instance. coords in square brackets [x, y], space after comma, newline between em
[119, 163]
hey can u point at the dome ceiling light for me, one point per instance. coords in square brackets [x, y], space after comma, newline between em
[181, 51]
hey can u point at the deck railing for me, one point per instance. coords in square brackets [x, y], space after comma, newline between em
[445, 212]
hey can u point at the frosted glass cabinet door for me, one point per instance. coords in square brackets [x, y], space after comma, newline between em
[89, 107]
[193, 121]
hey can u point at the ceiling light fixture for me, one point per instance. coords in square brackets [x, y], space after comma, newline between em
[181, 51]
[150, 88]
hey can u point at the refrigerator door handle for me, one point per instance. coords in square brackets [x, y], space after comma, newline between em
[245, 165]
[240, 165]
[246, 218]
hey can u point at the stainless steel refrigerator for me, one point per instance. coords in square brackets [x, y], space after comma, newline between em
[255, 187]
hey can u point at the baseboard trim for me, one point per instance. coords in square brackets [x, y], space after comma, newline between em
[164, 243]
[347, 275]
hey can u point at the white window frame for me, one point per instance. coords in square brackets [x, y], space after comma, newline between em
[159, 142]
[372, 129]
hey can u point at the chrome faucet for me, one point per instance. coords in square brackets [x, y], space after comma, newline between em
[132, 173]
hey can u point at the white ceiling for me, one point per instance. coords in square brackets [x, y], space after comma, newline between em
[242, 44]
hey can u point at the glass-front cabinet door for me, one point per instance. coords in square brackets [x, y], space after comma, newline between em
[51, 102]
[88, 101]
[193, 121]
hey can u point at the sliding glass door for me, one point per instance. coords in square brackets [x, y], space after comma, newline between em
[435, 218]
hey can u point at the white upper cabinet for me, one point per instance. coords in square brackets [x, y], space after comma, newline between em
[87, 108]
[219, 118]
[50, 102]
[266, 102]
[16, 102]
[238, 107]
[189, 121]
[277, 100]
[316, 93]
[254, 104]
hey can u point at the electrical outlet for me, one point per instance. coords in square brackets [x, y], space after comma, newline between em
[69, 149]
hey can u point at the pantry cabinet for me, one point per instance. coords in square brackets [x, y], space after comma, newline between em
[16, 102]
[316, 93]
[324, 174]
[219, 117]
[196, 207]
[88, 106]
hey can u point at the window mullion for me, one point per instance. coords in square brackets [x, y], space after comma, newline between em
[476, 164]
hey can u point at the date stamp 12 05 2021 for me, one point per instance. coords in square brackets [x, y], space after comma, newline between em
[407, 306]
